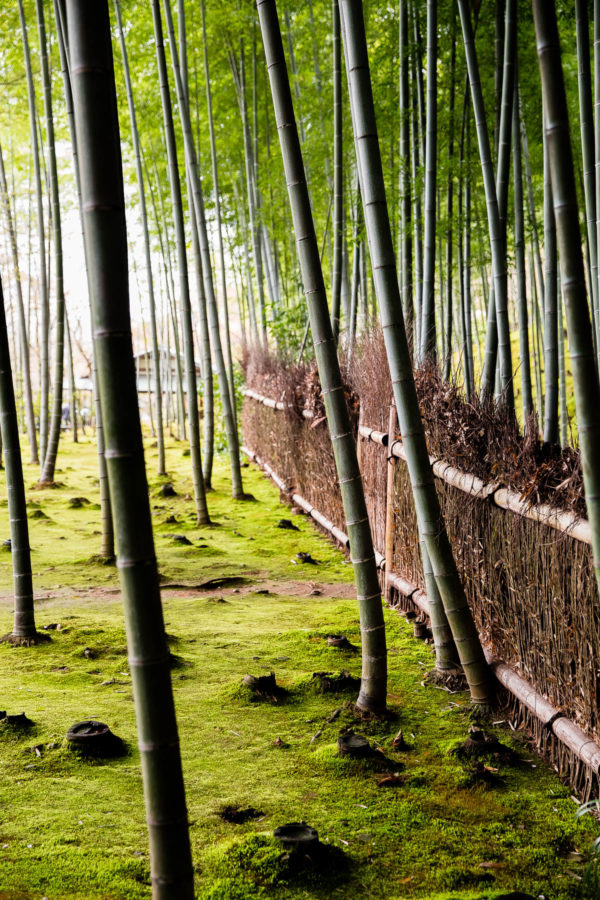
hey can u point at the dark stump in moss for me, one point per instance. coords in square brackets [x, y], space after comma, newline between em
[481, 744]
[340, 642]
[297, 836]
[238, 815]
[420, 630]
[95, 739]
[20, 722]
[264, 688]
[305, 856]
[330, 683]
[355, 746]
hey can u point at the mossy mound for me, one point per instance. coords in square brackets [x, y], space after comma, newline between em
[254, 865]
[330, 683]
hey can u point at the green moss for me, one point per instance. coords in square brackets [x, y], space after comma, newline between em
[84, 820]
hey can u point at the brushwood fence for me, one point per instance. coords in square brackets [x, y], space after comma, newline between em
[527, 570]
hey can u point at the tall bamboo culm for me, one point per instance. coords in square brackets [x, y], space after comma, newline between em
[212, 309]
[202, 514]
[24, 632]
[49, 462]
[97, 128]
[579, 326]
[157, 386]
[372, 696]
[383, 262]
[43, 289]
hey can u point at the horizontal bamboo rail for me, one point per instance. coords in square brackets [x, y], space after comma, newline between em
[504, 498]
[567, 523]
[274, 404]
[564, 729]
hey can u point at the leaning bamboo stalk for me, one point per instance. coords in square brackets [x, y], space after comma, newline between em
[586, 124]
[212, 309]
[579, 327]
[24, 631]
[431, 525]
[372, 695]
[22, 325]
[43, 289]
[157, 386]
[496, 235]
[428, 329]
[49, 461]
[202, 513]
[95, 104]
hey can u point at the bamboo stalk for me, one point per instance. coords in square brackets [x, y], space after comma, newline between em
[22, 325]
[202, 514]
[95, 104]
[43, 289]
[160, 438]
[389, 504]
[429, 517]
[49, 461]
[212, 309]
[372, 695]
[579, 327]
[24, 630]
[497, 238]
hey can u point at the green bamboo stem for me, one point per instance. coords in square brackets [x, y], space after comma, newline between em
[338, 182]
[539, 270]
[239, 78]
[497, 239]
[43, 287]
[525, 366]
[586, 124]
[107, 542]
[49, 462]
[579, 326]
[550, 311]
[537, 340]
[379, 236]
[24, 630]
[405, 250]
[202, 515]
[372, 695]
[95, 105]
[213, 317]
[157, 386]
[562, 371]
[427, 346]
[596, 323]
[72, 386]
[22, 325]
[217, 197]
[414, 328]
[447, 353]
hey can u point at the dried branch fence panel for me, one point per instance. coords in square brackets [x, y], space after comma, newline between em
[530, 584]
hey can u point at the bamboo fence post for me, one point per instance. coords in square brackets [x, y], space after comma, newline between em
[389, 502]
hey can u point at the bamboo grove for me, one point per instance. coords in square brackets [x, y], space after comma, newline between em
[443, 167]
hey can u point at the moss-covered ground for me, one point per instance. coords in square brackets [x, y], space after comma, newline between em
[73, 828]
